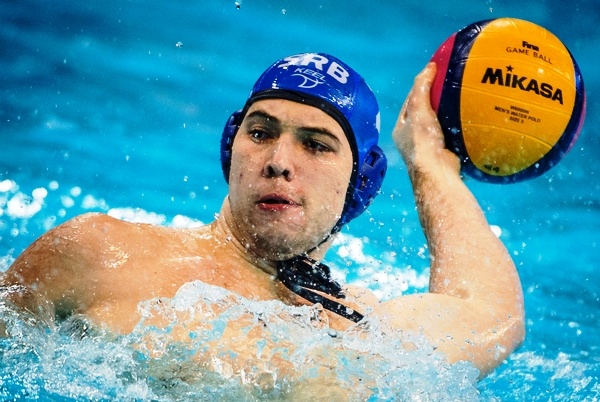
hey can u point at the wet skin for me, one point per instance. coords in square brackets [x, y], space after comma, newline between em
[289, 174]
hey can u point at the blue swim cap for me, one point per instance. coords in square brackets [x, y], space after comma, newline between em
[327, 83]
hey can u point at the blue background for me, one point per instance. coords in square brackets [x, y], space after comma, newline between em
[126, 100]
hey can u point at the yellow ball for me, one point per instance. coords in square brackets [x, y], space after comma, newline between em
[510, 99]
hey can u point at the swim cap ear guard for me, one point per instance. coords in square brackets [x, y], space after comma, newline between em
[327, 83]
[229, 132]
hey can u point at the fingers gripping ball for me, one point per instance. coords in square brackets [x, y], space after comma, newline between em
[510, 99]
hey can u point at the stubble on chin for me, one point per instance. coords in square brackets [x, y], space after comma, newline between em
[278, 239]
[279, 246]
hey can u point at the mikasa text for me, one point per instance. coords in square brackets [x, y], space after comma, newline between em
[507, 79]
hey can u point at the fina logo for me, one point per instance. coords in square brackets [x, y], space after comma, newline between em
[312, 77]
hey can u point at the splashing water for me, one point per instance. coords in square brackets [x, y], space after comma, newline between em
[187, 347]
[207, 342]
[170, 356]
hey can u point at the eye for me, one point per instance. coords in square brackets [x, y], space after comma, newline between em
[317, 146]
[259, 134]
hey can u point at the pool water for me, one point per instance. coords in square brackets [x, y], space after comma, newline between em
[118, 107]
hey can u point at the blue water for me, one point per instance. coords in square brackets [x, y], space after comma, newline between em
[118, 106]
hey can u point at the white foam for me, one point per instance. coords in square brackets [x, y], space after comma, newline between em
[67, 202]
[39, 193]
[367, 359]
[386, 278]
[7, 186]
[90, 202]
[23, 206]
[496, 230]
[137, 215]
[181, 221]
[76, 191]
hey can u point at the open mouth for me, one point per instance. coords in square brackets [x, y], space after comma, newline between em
[273, 200]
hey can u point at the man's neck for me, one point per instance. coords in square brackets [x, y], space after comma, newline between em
[223, 233]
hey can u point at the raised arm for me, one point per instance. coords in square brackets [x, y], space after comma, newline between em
[474, 310]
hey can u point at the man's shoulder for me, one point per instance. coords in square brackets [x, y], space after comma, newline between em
[93, 221]
[104, 235]
[97, 226]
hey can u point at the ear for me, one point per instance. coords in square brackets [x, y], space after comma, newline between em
[229, 132]
[368, 182]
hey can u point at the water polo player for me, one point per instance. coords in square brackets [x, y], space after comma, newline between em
[301, 159]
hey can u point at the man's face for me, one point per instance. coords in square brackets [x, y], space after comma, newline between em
[290, 168]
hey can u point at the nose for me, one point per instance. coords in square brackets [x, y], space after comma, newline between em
[280, 160]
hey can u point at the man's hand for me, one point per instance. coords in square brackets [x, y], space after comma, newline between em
[418, 134]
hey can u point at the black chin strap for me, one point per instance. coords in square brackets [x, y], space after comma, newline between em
[301, 274]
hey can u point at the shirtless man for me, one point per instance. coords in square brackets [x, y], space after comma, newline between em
[301, 159]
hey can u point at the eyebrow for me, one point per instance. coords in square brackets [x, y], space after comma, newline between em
[315, 130]
[263, 115]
